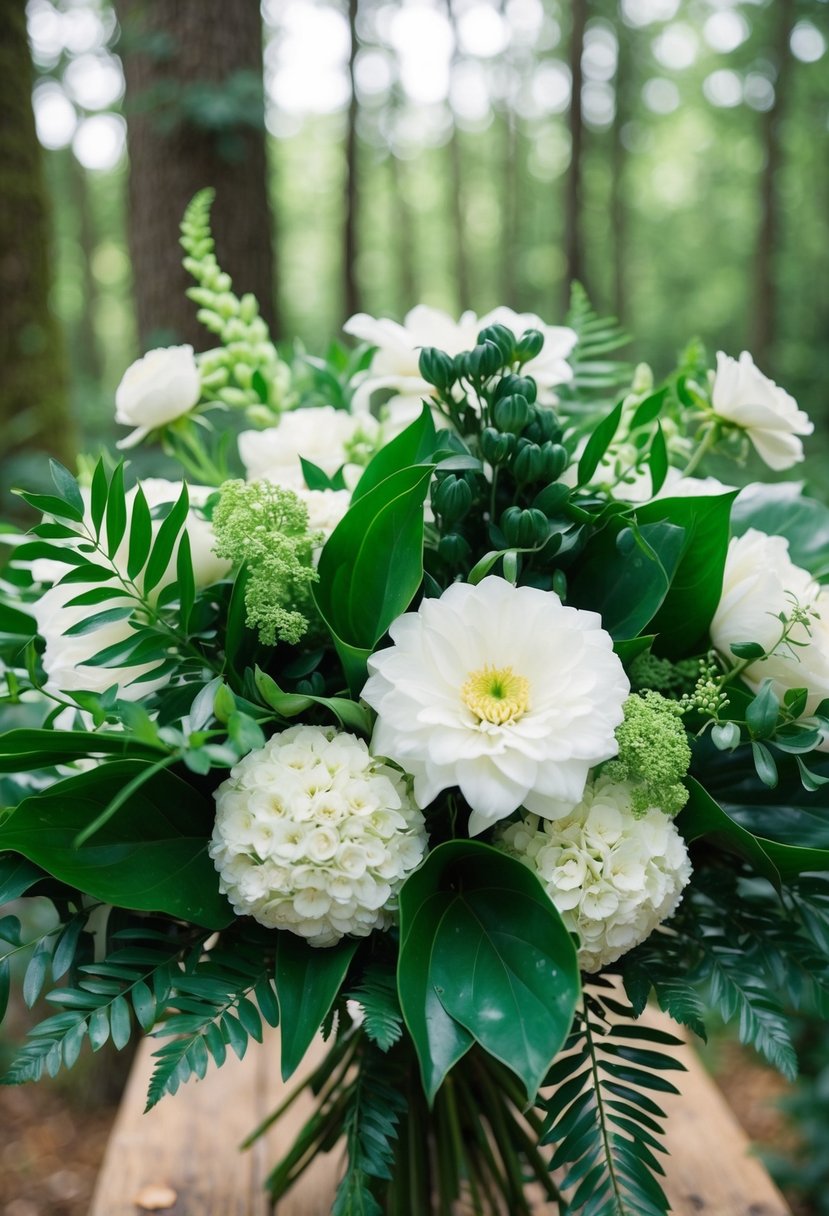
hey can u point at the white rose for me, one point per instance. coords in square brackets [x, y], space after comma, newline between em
[742, 395]
[760, 580]
[395, 363]
[320, 435]
[156, 389]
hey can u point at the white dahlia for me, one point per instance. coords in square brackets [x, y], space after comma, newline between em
[502, 691]
[614, 876]
[314, 835]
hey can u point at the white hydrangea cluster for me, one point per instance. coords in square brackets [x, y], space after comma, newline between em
[314, 835]
[613, 877]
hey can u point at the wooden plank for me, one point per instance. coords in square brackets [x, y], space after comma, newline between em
[190, 1144]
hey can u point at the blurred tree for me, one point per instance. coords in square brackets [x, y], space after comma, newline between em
[196, 115]
[769, 235]
[33, 400]
[573, 203]
[351, 286]
[456, 188]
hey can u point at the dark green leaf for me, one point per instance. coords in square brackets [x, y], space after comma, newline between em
[66, 485]
[598, 444]
[415, 445]
[658, 460]
[165, 541]
[307, 983]
[98, 496]
[116, 516]
[141, 534]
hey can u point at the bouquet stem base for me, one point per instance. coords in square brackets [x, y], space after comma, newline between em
[190, 1146]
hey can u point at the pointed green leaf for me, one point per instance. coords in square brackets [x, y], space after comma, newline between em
[307, 982]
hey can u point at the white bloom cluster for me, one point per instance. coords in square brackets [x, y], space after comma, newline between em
[155, 390]
[314, 835]
[322, 435]
[612, 875]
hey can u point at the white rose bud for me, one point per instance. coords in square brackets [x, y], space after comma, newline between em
[155, 390]
[770, 417]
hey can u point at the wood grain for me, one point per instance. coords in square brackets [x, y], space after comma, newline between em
[190, 1144]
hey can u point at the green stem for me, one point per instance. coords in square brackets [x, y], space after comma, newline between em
[600, 1112]
[498, 1120]
[123, 795]
[711, 434]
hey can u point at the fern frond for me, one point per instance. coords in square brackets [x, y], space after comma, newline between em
[371, 1122]
[593, 373]
[376, 994]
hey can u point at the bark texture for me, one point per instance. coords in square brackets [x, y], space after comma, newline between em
[33, 391]
[195, 114]
[351, 286]
[573, 226]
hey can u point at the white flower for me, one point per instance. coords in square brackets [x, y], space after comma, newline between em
[321, 435]
[395, 362]
[292, 850]
[770, 417]
[760, 581]
[612, 875]
[156, 389]
[502, 691]
[66, 658]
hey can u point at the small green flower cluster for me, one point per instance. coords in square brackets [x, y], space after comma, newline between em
[661, 675]
[707, 696]
[654, 754]
[265, 526]
[245, 371]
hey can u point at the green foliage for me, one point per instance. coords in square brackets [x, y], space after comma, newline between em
[245, 369]
[264, 527]
[373, 1108]
[781, 509]
[308, 980]
[654, 755]
[484, 957]
[149, 851]
[605, 1128]
[593, 372]
[104, 1000]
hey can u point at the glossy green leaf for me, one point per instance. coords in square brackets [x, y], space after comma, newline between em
[98, 497]
[598, 443]
[116, 513]
[658, 460]
[90, 623]
[66, 485]
[165, 541]
[49, 504]
[24, 750]
[186, 581]
[307, 982]
[415, 445]
[141, 534]
[150, 856]
[782, 509]
[17, 875]
[372, 564]
[685, 616]
[350, 714]
[478, 931]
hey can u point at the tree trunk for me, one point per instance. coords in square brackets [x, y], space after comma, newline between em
[573, 234]
[195, 118]
[351, 287]
[86, 356]
[456, 187]
[618, 205]
[768, 235]
[33, 396]
[403, 229]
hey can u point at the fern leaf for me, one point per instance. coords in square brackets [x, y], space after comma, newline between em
[376, 994]
[593, 372]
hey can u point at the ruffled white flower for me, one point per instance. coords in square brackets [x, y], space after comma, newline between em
[612, 875]
[315, 836]
[155, 390]
[324, 436]
[742, 395]
[761, 581]
[66, 658]
[502, 691]
[395, 362]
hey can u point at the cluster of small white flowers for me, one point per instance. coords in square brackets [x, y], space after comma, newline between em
[314, 835]
[613, 877]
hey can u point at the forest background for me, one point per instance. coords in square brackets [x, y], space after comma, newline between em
[669, 154]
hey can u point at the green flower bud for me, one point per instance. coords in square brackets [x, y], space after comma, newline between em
[524, 529]
[454, 549]
[552, 499]
[437, 368]
[544, 425]
[512, 413]
[529, 345]
[529, 464]
[509, 385]
[725, 736]
[451, 499]
[483, 361]
[496, 448]
[501, 337]
[555, 460]
[560, 585]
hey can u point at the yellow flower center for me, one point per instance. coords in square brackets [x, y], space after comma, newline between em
[497, 695]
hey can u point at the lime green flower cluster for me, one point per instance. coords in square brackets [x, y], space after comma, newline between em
[654, 754]
[244, 371]
[671, 679]
[265, 526]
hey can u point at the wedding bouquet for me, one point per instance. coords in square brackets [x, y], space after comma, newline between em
[443, 708]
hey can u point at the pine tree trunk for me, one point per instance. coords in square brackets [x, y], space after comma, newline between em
[768, 236]
[351, 286]
[33, 396]
[573, 228]
[457, 192]
[618, 204]
[195, 115]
